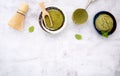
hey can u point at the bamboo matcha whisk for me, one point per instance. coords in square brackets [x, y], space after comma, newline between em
[17, 20]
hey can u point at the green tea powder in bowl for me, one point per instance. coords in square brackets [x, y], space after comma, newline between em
[80, 16]
[57, 19]
[104, 23]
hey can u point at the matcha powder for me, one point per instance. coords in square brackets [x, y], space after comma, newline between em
[78, 36]
[31, 29]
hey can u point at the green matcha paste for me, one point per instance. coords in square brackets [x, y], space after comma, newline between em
[104, 23]
[57, 19]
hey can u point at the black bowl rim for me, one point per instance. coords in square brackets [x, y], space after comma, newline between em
[114, 22]
[48, 8]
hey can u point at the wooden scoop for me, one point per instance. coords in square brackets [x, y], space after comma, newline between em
[45, 13]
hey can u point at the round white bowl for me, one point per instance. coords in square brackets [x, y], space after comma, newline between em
[51, 31]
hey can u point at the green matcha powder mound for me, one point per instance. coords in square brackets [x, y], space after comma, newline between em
[78, 36]
[31, 29]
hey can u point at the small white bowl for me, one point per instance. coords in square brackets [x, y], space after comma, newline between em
[52, 31]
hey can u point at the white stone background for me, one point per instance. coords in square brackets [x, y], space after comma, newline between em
[42, 54]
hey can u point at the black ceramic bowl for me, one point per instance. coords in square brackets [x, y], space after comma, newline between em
[114, 22]
[41, 22]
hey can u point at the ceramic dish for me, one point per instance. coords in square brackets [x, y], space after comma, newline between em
[41, 22]
[114, 22]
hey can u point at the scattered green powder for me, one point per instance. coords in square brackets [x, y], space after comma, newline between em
[78, 36]
[31, 29]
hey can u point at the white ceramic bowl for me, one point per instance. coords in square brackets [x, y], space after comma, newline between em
[52, 31]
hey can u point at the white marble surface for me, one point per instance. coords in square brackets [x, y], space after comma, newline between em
[41, 54]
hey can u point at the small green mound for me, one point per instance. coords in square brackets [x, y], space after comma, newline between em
[78, 36]
[31, 29]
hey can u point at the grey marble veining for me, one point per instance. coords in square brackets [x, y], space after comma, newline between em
[41, 54]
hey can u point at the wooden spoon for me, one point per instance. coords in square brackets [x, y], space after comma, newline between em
[45, 13]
